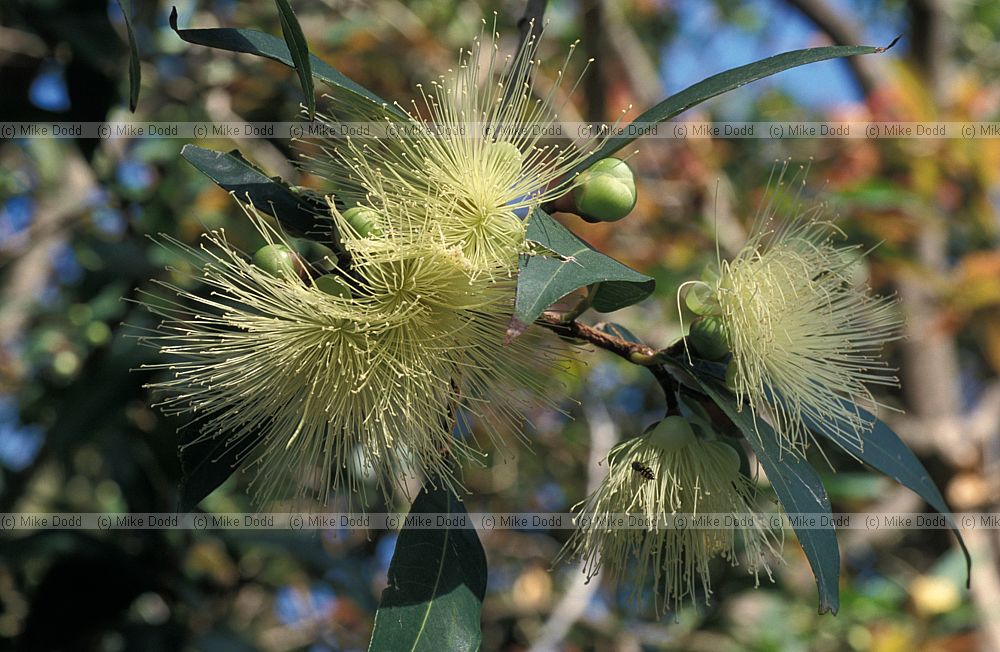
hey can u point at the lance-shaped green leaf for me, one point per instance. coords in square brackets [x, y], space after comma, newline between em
[299, 213]
[798, 487]
[298, 49]
[884, 451]
[437, 580]
[721, 83]
[205, 464]
[563, 263]
[134, 70]
[261, 44]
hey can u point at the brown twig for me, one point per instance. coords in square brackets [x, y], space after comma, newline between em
[634, 352]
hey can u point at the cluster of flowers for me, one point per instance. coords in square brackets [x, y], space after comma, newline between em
[308, 363]
[370, 356]
[801, 337]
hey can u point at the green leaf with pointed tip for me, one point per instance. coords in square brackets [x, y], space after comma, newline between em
[566, 263]
[721, 83]
[205, 465]
[298, 213]
[251, 41]
[884, 451]
[437, 580]
[298, 49]
[617, 294]
[134, 70]
[798, 487]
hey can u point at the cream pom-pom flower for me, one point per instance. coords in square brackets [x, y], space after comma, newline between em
[479, 149]
[300, 380]
[806, 338]
[668, 471]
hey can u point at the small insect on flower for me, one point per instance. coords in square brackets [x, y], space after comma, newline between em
[805, 336]
[643, 469]
[686, 476]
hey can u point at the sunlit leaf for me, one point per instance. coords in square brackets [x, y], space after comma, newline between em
[721, 83]
[564, 263]
[261, 44]
[437, 580]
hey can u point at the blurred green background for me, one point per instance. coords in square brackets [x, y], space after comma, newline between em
[77, 432]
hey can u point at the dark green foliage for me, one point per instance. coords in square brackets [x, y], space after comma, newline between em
[251, 41]
[437, 581]
[725, 81]
[298, 212]
[134, 71]
[566, 263]
[298, 49]
[798, 487]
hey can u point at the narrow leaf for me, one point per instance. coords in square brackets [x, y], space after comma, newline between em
[299, 213]
[799, 489]
[884, 451]
[566, 263]
[437, 580]
[295, 40]
[134, 71]
[261, 44]
[721, 83]
[205, 465]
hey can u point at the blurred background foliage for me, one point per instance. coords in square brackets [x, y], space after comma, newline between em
[77, 432]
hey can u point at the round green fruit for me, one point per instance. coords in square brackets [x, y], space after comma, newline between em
[333, 285]
[613, 166]
[319, 255]
[708, 337]
[277, 260]
[606, 192]
[730, 457]
[363, 220]
[671, 434]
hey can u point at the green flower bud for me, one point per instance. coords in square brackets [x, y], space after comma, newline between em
[333, 285]
[708, 337]
[700, 299]
[363, 220]
[607, 192]
[671, 434]
[277, 260]
[613, 166]
[711, 274]
[729, 457]
[319, 255]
